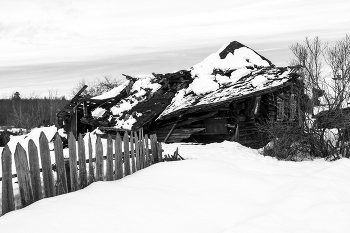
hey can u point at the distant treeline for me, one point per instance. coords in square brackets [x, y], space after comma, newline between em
[30, 113]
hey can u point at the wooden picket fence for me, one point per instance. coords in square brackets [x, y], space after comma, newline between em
[72, 174]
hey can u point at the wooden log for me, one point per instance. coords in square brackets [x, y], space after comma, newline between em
[118, 158]
[23, 176]
[132, 153]
[109, 162]
[61, 183]
[49, 186]
[137, 149]
[91, 166]
[126, 154]
[34, 170]
[146, 156]
[7, 199]
[82, 163]
[73, 162]
[99, 159]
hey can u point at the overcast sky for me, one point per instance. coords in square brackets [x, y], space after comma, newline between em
[52, 44]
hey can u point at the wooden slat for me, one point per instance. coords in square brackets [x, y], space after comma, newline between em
[160, 152]
[91, 166]
[34, 170]
[7, 199]
[99, 159]
[49, 186]
[154, 156]
[137, 149]
[142, 150]
[73, 162]
[126, 154]
[109, 162]
[82, 163]
[61, 182]
[118, 158]
[146, 157]
[23, 176]
[132, 153]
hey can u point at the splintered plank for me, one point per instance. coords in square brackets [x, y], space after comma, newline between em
[147, 157]
[91, 166]
[137, 149]
[82, 162]
[61, 183]
[49, 186]
[34, 170]
[109, 162]
[73, 162]
[132, 153]
[118, 158]
[7, 202]
[23, 176]
[154, 149]
[126, 154]
[99, 159]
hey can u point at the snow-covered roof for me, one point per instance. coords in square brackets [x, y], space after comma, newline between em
[233, 71]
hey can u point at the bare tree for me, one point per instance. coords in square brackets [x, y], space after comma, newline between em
[97, 86]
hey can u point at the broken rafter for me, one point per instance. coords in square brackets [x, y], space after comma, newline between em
[172, 128]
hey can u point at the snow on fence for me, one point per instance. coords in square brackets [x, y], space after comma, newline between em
[131, 153]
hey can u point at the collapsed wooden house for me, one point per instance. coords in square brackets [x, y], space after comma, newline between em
[224, 97]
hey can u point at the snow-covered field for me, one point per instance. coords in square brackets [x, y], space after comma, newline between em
[222, 187]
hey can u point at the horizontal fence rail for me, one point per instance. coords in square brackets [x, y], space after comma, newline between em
[123, 156]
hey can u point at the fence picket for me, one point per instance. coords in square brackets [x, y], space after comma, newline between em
[73, 162]
[91, 166]
[34, 170]
[118, 158]
[109, 162]
[137, 149]
[61, 182]
[82, 162]
[126, 154]
[8, 203]
[132, 153]
[49, 187]
[147, 158]
[23, 176]
[142, 151]
[99, 159]
[160, 151]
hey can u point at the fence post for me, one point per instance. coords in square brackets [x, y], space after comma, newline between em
[142, 151]
[82, 162]
[7, 188]
[23, 176]
[147, 157]
[62, 187]
[132, 153]
[99, 159]
[109, 162]
[137, 148]
[34, 170]
[160, 151]
[118, 158]
[126, 154]
[91, 167]
[73, 162]
[49, 187]
[154, 149]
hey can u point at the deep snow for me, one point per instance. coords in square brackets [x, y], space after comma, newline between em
[221, 187]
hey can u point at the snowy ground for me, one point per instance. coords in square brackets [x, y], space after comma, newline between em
[221, 187]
